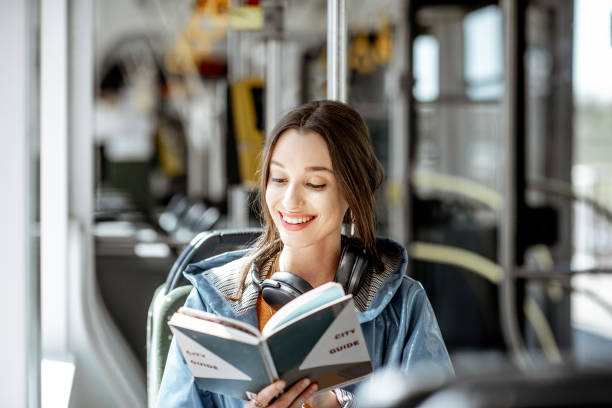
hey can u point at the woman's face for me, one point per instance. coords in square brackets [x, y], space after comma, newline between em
[302, 194]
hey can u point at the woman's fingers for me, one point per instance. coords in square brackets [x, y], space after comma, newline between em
[305, 396]
[265, 396]
[296, 395]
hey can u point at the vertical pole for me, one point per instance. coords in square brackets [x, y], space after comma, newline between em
[33, 308]
[237, 197]
[273, 28]
[513, 131]
[336, 50]
[402, 120]
[272, 84]
[410, 125]
[54, 173]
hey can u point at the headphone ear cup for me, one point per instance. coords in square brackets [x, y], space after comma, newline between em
[359, 271]
[343, 273]
[283, 287]
[354, 264]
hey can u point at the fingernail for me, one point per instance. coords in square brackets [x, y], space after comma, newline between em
[281, 385]
[311, 390]
[305, 382]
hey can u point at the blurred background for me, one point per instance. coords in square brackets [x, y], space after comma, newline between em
[131, 126]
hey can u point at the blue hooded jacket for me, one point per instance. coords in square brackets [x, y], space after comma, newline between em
[397, 320]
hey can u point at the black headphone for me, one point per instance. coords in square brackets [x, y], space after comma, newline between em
[282, 287]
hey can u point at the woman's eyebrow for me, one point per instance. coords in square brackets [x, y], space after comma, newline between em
[310, 168]
[318, 168]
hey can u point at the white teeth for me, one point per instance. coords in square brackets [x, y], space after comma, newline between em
[296, 220]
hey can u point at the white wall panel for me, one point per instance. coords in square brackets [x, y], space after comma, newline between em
[15, 203]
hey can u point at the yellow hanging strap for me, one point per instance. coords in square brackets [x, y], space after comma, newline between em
[249, 139]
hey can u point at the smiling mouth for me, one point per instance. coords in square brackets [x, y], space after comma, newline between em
[301, 219]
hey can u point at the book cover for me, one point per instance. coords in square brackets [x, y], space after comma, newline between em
[326, 346]
[317, 335]
[224, 365]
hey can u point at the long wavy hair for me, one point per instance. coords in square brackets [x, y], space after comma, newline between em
[358, 171]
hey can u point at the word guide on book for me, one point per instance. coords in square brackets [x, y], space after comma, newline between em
[204, 363]
[340, 337]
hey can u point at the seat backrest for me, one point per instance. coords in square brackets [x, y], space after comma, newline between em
[206, 244]
[159, 335]
[170, 296]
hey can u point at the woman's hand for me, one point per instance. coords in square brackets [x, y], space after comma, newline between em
[294, 397]
[325, 400]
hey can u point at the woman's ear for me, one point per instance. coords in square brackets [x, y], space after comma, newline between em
[353, 219]
[347, 217]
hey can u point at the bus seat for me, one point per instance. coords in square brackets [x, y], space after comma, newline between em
[159, 335]
[170, 296]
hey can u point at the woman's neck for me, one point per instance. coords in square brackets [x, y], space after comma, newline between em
[316, 263]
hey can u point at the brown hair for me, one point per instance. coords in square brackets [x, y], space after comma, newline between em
[358, 171]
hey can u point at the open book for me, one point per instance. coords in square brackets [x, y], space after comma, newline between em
[316, 335]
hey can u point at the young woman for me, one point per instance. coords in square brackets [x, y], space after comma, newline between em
[318, 172]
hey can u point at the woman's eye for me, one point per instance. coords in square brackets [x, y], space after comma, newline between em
[277, 180]
[316, 186]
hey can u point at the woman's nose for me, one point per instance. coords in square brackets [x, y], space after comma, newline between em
[292, 199]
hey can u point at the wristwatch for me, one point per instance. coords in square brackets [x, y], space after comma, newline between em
[345, 398]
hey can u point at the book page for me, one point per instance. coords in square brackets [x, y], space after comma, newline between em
[303, 305]
[218, 329]
[327, 346]
[225, 321]
[341, 343]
